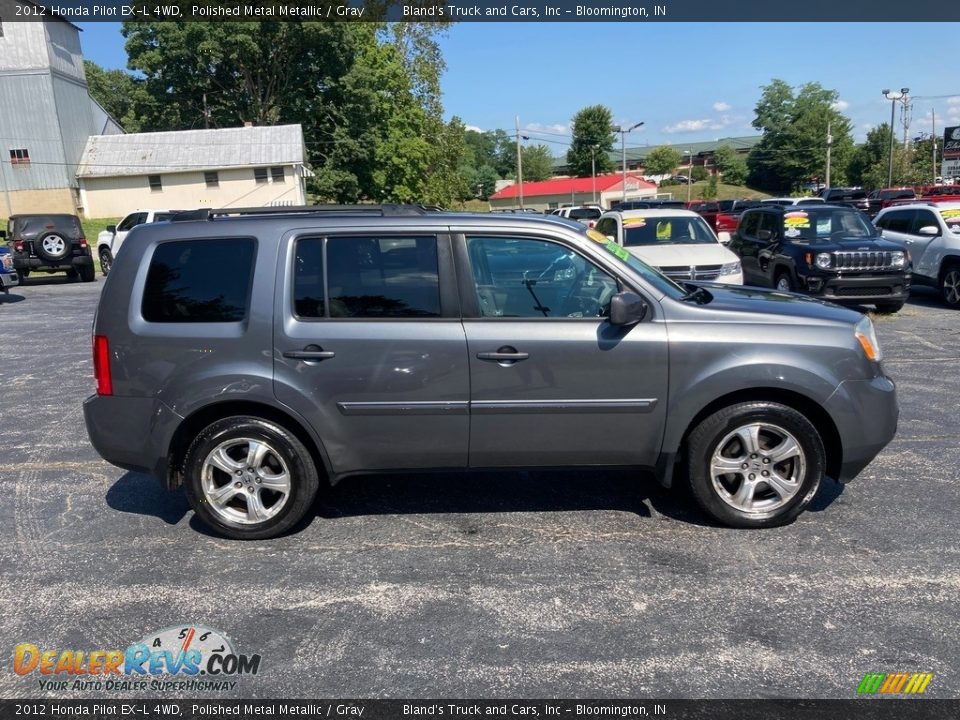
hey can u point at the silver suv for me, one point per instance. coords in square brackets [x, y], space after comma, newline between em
[931, 232]
[251, 355]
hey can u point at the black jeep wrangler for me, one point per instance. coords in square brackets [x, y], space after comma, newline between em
[49, 243]
[831, 252]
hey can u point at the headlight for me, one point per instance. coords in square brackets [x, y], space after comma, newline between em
[867, 337]
[822, 261]
[730, 268]
[898, 259]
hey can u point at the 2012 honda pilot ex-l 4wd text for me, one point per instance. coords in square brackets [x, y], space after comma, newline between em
[250, 356]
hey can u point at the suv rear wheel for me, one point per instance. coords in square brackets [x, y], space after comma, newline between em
[249, 478]
[106, 260]
[755, 464]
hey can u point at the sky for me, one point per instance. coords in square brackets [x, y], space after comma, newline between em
[687, 82]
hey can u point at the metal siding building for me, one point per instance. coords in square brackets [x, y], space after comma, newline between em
[45, 111]
[228, 167]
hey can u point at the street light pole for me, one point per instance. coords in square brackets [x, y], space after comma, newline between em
[623, 148]
[893, 97]
[689, 173]
[829, 147]
[519, 165]
[593, 169]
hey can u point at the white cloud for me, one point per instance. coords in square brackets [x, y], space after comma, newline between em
[721, 106]
[954, 101]
[474, 128]
[689, 126]
[558, 128]
[840, 105]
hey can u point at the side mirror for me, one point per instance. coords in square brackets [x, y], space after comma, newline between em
[764, 234]
[929, 230]
[724, 237]
[627, 308]
[111, 229]
[3, 234]
[611, 238]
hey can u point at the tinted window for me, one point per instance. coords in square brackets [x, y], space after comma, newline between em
[924, 218]
[199, 281]
[523, 277]
[749, 224]
[771, 223]
[585, 213]
[608, 227]
[367, 277]
[897, 221]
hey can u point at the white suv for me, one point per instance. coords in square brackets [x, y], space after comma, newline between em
[110, 240]
[679, 243]
[931, 232]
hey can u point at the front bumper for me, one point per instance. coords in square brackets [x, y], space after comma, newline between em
[856, 289]
[866, 414]
[9, 280]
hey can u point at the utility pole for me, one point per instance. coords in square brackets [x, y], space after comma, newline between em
[519, 165]
[689, 173]
[623, 149]
[933, 141]
[893, 97]
[206, 113]
[593, 169]
[829, 147]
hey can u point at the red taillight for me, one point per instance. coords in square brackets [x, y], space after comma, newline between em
[726, 222]
[101, 365]
[18, 246]
[591, 224]
[83, 242]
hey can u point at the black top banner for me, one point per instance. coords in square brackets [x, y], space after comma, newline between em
[713, 11]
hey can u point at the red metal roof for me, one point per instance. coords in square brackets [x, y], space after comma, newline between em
[566, 186]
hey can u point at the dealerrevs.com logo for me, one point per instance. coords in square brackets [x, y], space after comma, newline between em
[182, 658]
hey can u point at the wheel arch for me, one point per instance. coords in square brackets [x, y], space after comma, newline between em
[191, 426]
[809, 408]
[946, 262]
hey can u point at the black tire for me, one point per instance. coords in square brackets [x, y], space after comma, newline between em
[52, 246]
[717, 428]
[87, 273]
[73, 274]
[890, 307]
[23, 275]
[106, 261]
[950, 285]
[232, 518]
[783, 277]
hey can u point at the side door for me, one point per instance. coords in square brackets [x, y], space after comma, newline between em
[124, 228]
[553, 383]
[897, 225]
[746, 245]
[920, 244]
[369, 347]
[769, 237]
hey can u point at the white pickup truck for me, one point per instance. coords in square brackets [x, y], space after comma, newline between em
[110, 240]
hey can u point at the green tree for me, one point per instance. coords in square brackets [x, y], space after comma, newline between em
[709, 191]
[118, 92]
[699, 173]
[537, 163]
[591, 127]
[867, 158]
[731, 165]
[662, 160]
[794, 144]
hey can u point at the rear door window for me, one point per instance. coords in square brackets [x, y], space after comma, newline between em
[199, 281]
[897, 221]
[924, 218]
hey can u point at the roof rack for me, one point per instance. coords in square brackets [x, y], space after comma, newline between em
[389, 210]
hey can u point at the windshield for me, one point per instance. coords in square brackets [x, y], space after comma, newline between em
[667, 230]
[661, 282]
[952, 219]
[825, 224]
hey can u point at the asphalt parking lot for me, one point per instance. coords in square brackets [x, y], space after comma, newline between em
[586, 584]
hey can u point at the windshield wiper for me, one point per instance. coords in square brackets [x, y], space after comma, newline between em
[698, 294]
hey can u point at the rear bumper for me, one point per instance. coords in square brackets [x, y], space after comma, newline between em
[857, 289]
[131, 433]
[866, 414]
[35, 263]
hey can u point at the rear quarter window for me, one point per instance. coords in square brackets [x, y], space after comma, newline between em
[191, 281]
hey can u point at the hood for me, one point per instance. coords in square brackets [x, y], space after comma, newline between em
[770, 302]
[667, 255]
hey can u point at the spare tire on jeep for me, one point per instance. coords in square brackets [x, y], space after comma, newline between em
[53, 246]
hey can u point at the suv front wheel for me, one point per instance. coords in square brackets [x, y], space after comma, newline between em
[755, 464]
[248, 478]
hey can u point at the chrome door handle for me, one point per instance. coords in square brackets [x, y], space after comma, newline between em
[311, 352]
[501, 356]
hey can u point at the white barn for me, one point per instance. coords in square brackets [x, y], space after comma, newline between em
[188, 169]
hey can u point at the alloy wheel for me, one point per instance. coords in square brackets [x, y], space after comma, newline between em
[245, 480]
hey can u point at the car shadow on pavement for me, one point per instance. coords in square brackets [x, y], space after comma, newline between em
[926, 297]
[10, 298]
[141, 494]
[44, 279]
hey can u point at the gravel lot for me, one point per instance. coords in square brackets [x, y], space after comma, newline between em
[538, 584]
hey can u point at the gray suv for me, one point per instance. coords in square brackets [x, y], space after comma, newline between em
[251, 355]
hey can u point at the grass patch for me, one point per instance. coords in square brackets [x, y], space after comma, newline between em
[724, 192]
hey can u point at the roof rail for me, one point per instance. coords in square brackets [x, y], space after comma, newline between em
[381, 210]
